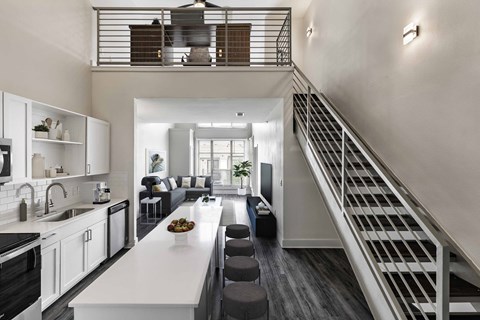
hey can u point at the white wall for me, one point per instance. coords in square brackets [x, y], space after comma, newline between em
[150, 136]
[114, 92]
[303, 220]
[416, 105]
[45, 51]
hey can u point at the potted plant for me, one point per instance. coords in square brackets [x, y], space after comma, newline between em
[242, 170]
[41, 131]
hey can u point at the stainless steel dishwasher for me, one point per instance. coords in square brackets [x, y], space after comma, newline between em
[117, 227]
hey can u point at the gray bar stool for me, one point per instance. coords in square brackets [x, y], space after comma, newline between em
[244, 300]
[237, 231]
[238, 247]
[241, 268]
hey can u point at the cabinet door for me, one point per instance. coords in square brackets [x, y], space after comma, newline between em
[97, 244]
[17, 125]
[50, 274]
[98, 147]
[74, 259]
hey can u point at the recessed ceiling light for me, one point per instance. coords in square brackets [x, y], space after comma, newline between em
[240, 114]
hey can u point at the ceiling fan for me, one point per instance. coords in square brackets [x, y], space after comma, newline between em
[200, 4]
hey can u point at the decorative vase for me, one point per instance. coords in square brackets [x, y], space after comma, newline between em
[52, 134]
[66, 135]
[242, 191]
[41, 134]
[38, 166]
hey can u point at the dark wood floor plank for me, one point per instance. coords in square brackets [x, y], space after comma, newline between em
[302, 284]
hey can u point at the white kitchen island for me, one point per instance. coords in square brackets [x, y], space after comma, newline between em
[160, 278]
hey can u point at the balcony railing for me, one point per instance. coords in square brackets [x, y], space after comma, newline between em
[194, 36]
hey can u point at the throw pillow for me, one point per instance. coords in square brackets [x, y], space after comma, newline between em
[173, 183]
[200, 182]
[186, 182]
[163, 187]
[160, 187]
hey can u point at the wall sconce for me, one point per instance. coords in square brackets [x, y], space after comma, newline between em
[309, 32]
[410, 32]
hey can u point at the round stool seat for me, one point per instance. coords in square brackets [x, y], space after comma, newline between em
[241, 268]
[237, 231]
[239, 247]
[245, 300]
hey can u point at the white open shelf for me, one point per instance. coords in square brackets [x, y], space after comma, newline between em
[56, 141]
[61, 178]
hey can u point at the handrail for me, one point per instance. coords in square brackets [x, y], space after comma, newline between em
[246, 36]
[381, 216]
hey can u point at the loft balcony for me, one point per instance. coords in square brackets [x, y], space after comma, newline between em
[176, 37]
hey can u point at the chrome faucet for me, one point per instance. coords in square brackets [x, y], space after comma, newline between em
[32, 195]
[47, 204]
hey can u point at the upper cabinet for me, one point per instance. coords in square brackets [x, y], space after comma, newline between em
[17, 120]
[98, 147]
[76, 144]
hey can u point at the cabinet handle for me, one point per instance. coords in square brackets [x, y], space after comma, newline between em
[86, 236]
[90, 234]
[49, 236]
[88, 168]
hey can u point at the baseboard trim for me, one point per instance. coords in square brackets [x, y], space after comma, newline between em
[312, 243]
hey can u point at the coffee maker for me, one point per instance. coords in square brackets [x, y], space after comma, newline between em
[95, 192]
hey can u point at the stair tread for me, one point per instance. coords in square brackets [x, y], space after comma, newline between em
[356, 200]
[402, 248]
[370, 220]
[459, 288]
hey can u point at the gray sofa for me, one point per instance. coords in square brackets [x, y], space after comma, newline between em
[172, 199]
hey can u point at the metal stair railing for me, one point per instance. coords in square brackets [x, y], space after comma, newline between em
[375, 207]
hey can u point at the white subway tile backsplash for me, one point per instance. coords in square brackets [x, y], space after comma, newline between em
[9, 203]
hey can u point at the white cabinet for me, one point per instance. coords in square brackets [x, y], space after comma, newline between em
[82, 252]
[97, 244]
[50, 274]
[17, 121]
[74, 259]
[98, 147]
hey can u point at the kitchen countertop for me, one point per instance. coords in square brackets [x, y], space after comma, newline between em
[35, 226]
[159, 272]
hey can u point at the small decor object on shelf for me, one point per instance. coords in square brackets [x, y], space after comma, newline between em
[66, 135]
[38, 166]
[41, 131]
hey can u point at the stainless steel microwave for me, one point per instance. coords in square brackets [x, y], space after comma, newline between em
[5, 160]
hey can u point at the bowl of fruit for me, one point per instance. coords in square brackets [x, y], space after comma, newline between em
[180, 228]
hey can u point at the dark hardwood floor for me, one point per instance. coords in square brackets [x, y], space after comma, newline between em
[302, 284]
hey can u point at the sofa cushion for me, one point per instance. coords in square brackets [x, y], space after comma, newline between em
[178, 195]
[161, 187]
[208, 181]
[167, 184]
[200, 182]
[186, 182]
[173, 183]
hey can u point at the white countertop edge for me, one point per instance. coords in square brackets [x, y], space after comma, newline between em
[131, 305]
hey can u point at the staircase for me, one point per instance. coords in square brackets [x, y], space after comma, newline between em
[409, 259]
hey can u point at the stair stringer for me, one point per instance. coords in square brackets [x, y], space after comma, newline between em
[379, 303]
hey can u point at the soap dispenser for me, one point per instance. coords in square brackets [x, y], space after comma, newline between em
[23, 210]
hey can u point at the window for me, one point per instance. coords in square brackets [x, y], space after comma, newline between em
[217, 157]
[222, 125]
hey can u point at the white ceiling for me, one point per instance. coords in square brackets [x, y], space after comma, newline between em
[298, 6]
[204, 110]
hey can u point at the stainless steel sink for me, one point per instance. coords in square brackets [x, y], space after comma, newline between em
[65, 215]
